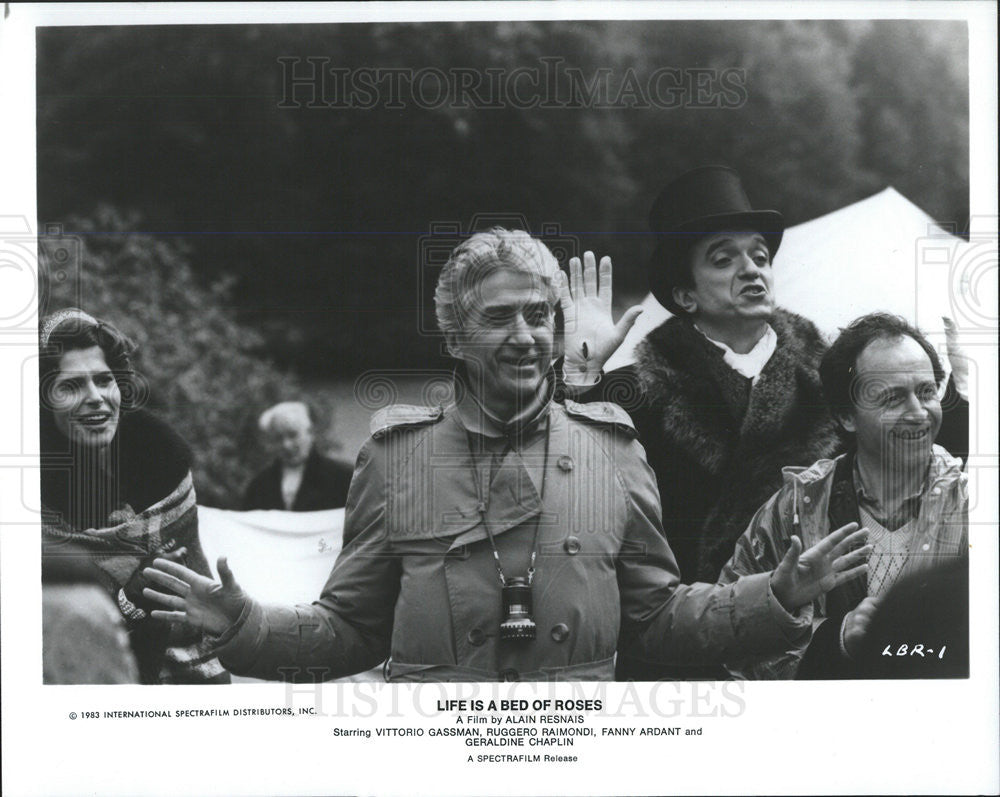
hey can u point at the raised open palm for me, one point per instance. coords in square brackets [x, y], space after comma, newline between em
[591, 335]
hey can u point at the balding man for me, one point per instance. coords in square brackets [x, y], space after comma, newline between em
[300, 479]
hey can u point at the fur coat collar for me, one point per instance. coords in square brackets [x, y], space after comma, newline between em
[740, 437]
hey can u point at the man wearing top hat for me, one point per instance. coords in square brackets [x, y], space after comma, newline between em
[723, 394]
[727, 391]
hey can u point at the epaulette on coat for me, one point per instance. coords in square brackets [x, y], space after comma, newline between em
[602, 413]
[403, 416]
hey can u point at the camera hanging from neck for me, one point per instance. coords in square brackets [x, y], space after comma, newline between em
[515, 590]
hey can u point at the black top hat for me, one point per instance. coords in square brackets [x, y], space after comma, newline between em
[701, 202]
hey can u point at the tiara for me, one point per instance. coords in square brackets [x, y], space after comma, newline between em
[56, 319]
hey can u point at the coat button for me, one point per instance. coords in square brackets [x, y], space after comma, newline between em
[572, 546]
[510, 674]
[476, 637]
[565, 463]
[806, 500]
[560, 632]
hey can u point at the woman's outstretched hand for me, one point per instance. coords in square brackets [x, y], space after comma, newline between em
[194, 599]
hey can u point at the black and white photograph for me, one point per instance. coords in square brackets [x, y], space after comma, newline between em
[401, 384]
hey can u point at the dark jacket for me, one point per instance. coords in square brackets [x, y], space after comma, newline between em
[147, 461]
[716, 447]
[122, 511]
[324, 486]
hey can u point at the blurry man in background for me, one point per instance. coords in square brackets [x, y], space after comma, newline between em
[300, 479]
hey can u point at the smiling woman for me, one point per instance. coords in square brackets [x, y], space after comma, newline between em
[116, 489]
[86, 382]
[86, 399]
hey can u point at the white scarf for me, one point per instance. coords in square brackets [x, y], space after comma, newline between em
[753, 362]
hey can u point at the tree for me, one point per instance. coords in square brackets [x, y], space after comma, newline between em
[319, 212]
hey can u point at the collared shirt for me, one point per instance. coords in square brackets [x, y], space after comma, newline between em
[753, 362]
[523, 435]
[889, 535]
[907, 509]
[291, 480]
[480, 421]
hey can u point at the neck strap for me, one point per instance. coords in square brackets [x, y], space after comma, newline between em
[484, 493]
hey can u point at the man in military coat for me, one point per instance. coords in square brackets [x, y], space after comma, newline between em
[505, 536]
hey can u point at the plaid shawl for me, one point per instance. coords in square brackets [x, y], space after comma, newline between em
[167, 653]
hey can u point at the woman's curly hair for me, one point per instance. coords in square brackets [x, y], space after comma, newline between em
[72, 329]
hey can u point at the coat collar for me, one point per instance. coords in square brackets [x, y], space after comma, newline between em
[477, 420]
[433, 493]
[707, 408]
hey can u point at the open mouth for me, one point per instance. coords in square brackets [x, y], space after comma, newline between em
[911, 434]
[519, 362]
[93, 420]
[753, 291]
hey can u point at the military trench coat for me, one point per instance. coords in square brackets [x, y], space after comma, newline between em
[417, 582]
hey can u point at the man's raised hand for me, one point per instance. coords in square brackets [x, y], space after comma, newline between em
[957, 358]
[193, 598]
[591, 336]
[803, 577]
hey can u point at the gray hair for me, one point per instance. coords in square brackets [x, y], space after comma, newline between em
[477, 257]
[293, 412]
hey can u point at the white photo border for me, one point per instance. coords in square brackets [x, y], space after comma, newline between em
[788, 738]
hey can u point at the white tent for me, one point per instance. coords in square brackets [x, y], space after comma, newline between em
[882, 253]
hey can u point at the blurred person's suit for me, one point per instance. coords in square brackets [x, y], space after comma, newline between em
[324, 486]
